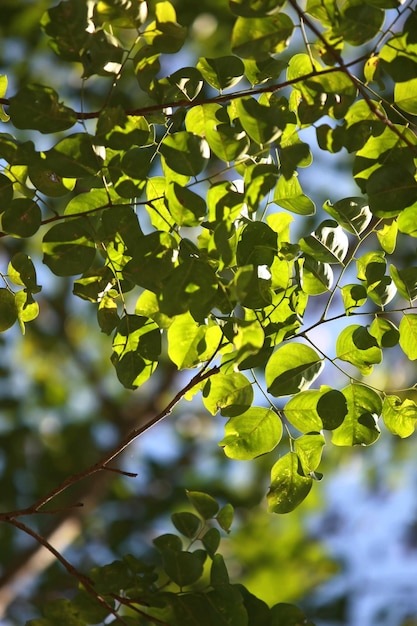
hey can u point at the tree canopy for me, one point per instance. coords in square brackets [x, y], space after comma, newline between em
[230, 191]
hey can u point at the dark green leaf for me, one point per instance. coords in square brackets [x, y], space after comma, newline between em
[187, 523]
[221, 72]
[185, 153]
[22, 218]
[68, 248]
[204, 504]
[8, 309]
[136, 348]
[37, 107]
[258, 37]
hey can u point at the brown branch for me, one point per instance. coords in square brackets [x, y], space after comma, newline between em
[252, 91]
[102, 464]
[84, 580]
[355, 81]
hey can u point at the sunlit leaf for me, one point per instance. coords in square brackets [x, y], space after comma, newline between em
[328, 243]
[189, 343]
[251, 434]
[399, 417]
[257, 37]
[360, 426]
[292, 368]
[309, 449]
[289, 487]
[221, 72]
[356, 346]
[232, 394]
[408, 335]
[314, 410]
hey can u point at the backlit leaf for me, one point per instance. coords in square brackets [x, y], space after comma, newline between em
[408, 335]
[360, 426]
[356, 346]
[232, 394]
[251, 434]
[292, 368]
[399, 417]
[289, 487]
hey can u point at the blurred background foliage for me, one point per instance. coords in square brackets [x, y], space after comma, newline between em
[61, 408]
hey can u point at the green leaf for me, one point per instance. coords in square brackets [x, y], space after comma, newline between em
[353, 214]
[406, 281]
[254, 8]
[136, 349]
[405, 95]
[309, 449]
[359, 22]
[74, 157]
[387, 237]
[316, 277]
[289, 487]
[232, 394]
[22, 218]
[68, 248]
[292, 368]
[226, 139]
[390, 189]
[385, 332]
[187, 523]
[186, 207]
[159, 215]
[259, 180]
[191, 286]
[283, 614]
[357, 346]
[255, 432]
[22, 272]
[8, 309]
[204, 504]
[257, 245]
[165, 34]
[313, 410]
[289, 195]
[27, 308]
[184, 568]
[221, 72]
[137, 162]
[3, 88]
[408, 335]
[185, 152]
[399, 417]
[354, 296]
[407, 221]
[225, 517]
[37, 107]
[260, 122]
[360, 425]
[218, 572]
[189, 343]
[211, 541]
[258, 37]
[328, 243]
